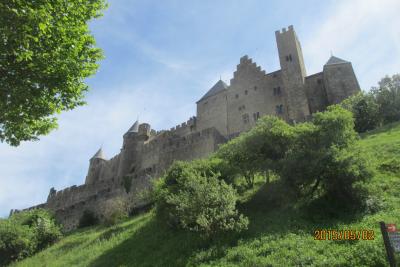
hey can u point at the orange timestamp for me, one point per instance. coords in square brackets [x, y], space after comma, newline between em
[329, 234]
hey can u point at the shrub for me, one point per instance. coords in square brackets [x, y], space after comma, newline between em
[190, 199]
[88, 218]
[114, 211]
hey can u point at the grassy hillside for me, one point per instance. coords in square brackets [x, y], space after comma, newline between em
[278, 235]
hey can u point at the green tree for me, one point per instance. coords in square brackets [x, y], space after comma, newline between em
[324, 162]
[260, 149]
[46, 52]
[387, 96]
[365, 111]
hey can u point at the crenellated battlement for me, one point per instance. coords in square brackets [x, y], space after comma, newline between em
[247, 66]
[284, 30]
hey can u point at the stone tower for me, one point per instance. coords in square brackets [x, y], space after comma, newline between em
[340, 80]
[96, 164]
[293, 73]
[130, 152]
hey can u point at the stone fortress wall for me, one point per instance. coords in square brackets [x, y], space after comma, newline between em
[222, 113]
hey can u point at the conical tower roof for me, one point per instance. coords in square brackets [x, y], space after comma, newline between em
[335, 60]
[99, 155]
[134, 128]
[218, 87]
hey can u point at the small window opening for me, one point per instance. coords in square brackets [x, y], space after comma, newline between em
[279, 109]
[245, 118]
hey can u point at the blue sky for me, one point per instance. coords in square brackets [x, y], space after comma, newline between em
[162, 56]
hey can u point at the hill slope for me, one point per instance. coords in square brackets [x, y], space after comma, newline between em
[277, 236]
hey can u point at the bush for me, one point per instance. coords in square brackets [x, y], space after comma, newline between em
[25, 233]
[88, 218]
[114, 211]
[188, 198]
[365, 111]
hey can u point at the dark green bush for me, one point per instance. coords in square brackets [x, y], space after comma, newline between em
[88, 218]
[192, 197]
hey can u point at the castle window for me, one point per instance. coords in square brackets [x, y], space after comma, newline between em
[237, 96]
[277, 90]
[256, 116]
[246, 92]
[245, 118]
[290, 57]
[319, 81]
[279, 109]
[274, 75]
[255, 88]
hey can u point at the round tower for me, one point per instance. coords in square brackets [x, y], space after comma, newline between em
[95, 166]
[128, 155]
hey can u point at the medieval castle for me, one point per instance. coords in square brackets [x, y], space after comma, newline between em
[222, 113]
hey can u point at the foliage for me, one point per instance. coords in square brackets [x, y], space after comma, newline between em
[25, 233]
[387, 96]
[88, 218]
[324, 158]
[46, 53]
[313, 159]
[276, 235]
[258, 150]
[16, 242]
[114, 211]
[192, 197]
[365, 110]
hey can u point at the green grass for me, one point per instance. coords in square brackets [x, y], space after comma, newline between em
[278, 234]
